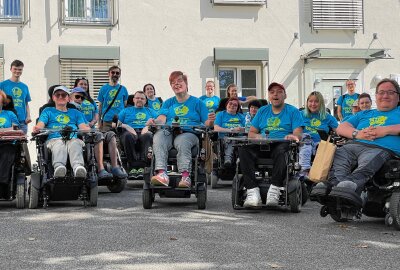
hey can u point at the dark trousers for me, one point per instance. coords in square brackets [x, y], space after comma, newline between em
[136, 147]
[249, 154]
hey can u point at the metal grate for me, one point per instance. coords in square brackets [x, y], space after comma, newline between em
[337, 14]
[95, 12]
[93, 70]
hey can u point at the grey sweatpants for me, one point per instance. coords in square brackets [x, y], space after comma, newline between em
[61, 149]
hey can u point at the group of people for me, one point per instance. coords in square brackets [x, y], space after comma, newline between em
[374, 133]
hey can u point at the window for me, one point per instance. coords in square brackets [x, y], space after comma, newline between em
[13, 11]
[337, 14]
[246, 78]
[239, 2]
[89, 12]
[1, 69]
[96, 71]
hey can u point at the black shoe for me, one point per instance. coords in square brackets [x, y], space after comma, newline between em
[227, 164]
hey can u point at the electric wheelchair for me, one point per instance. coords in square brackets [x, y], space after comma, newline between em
[16, 166]
[294, 193]
[44, 187]
[198, 175]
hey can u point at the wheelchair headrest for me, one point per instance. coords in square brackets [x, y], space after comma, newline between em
[9, 105]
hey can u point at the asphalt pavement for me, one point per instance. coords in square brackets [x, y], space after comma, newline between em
[120, 234]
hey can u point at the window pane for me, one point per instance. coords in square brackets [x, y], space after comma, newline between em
[76, 8]
[226, 77]
[99, 9]
[249, 79]
[12, 8]
[249, 92]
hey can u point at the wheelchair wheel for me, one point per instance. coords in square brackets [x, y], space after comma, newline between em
[295, 196]
[94, 194]
[304, 193]
[33, 192]
[337, 217]
[394, 209]
[118, 186]
[208, 177]
[147, 198]
[214, 180]
[202, 199]
[236, 197]
[20, 196]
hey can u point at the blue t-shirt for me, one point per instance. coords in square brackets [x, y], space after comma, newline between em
[8, 119]
[279, 125]
[55, 119]
[89, 109]
[136, 117]
[20, 94]
[192, 112]
[227, 120]
[346, 103]
[377, 118]
[154, 104]
[106, 95]
[211, 102]
[314, 122]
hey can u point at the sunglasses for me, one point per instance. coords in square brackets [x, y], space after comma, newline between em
[62, 95]
[115, 72]
[79, 97]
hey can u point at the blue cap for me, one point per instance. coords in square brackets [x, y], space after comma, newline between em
[79, 90]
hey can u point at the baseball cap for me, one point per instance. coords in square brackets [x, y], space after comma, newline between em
[276, 84]
[79, 90]
[61, 88]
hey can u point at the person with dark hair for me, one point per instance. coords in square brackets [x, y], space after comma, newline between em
[153, 102]
[20, 94]
[210, 99]
[364, 102]
[253, 107]
[88, 106]
[227, 121]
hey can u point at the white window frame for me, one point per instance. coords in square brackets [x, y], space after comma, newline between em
[23, 17]
[238, 77]
[87, 20]
[1, 69]
[239, 2]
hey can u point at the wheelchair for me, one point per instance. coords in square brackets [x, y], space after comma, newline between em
[380, 198]
[13, 144]
[198, 174]
[44, 188]
[294, 194]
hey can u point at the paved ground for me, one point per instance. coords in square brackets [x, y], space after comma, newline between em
[120, 234]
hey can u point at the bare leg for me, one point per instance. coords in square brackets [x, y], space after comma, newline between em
[98, 152]
[112, 150]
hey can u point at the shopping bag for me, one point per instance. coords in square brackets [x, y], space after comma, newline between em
[322, 162]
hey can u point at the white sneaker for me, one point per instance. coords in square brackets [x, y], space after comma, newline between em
[273, 195]
[80, 172]
[60, 171]
[253, 198]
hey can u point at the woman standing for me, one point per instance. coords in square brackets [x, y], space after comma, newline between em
[153, 102]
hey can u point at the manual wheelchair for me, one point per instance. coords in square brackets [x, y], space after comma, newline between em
[44, 187]
[294, 193]
[198, 175]
[13, 145]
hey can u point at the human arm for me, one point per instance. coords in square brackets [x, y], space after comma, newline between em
[99, 118]
[40, 125]
[248, 100]
[339, 113]
[296, 135]
[28, 114]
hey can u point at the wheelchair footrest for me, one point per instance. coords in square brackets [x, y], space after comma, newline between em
[346, 196]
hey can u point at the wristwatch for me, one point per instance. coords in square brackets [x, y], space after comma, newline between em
[354, 134]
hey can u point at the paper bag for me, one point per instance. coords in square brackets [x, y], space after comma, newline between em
[322, 162]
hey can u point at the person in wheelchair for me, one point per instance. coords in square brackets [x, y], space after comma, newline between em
[375, 140]
[135, 137]
[282, 121]
[229, 121]
[315, 118]
[253, 107]
[190, 111]
[59, 117]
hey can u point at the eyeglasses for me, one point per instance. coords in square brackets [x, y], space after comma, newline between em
[62, 95]
[178, 81]
[389, 93]
[115, 72]
[79, 97]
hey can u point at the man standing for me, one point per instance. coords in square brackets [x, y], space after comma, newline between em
[20, 94]
[345, 102]
[283, 121]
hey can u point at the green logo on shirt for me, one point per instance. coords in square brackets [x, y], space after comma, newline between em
[209, 103]
[156, 106]
[274, 122]
[62, 119]
[181, 110]
[377, 121]
[17, 92]
[2, 121]
[112, 93]
[140, 116]
[315, 122]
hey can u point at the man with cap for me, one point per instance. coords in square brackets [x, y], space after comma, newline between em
[59, 117]
[78, 96]
[282, 121]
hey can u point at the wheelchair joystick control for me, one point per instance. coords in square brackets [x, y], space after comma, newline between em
[266, 133]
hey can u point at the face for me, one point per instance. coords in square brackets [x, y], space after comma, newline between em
[233, 92]
[313, 104]
[16, 71]
[209, 88]
[139, 100]
[277, 96]
[178, 85]
[351, 86]
[114, 74]
[60, 97]
[149, 90]
[364, 104]
[83, 84]
[253, 110]
[387, 97]
[232, 106]
[77, 97]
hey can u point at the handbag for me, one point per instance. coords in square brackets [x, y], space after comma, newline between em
[323, 161]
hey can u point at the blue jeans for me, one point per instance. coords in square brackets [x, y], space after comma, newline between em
[306, 151]
[23, 127]
[357, 163]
